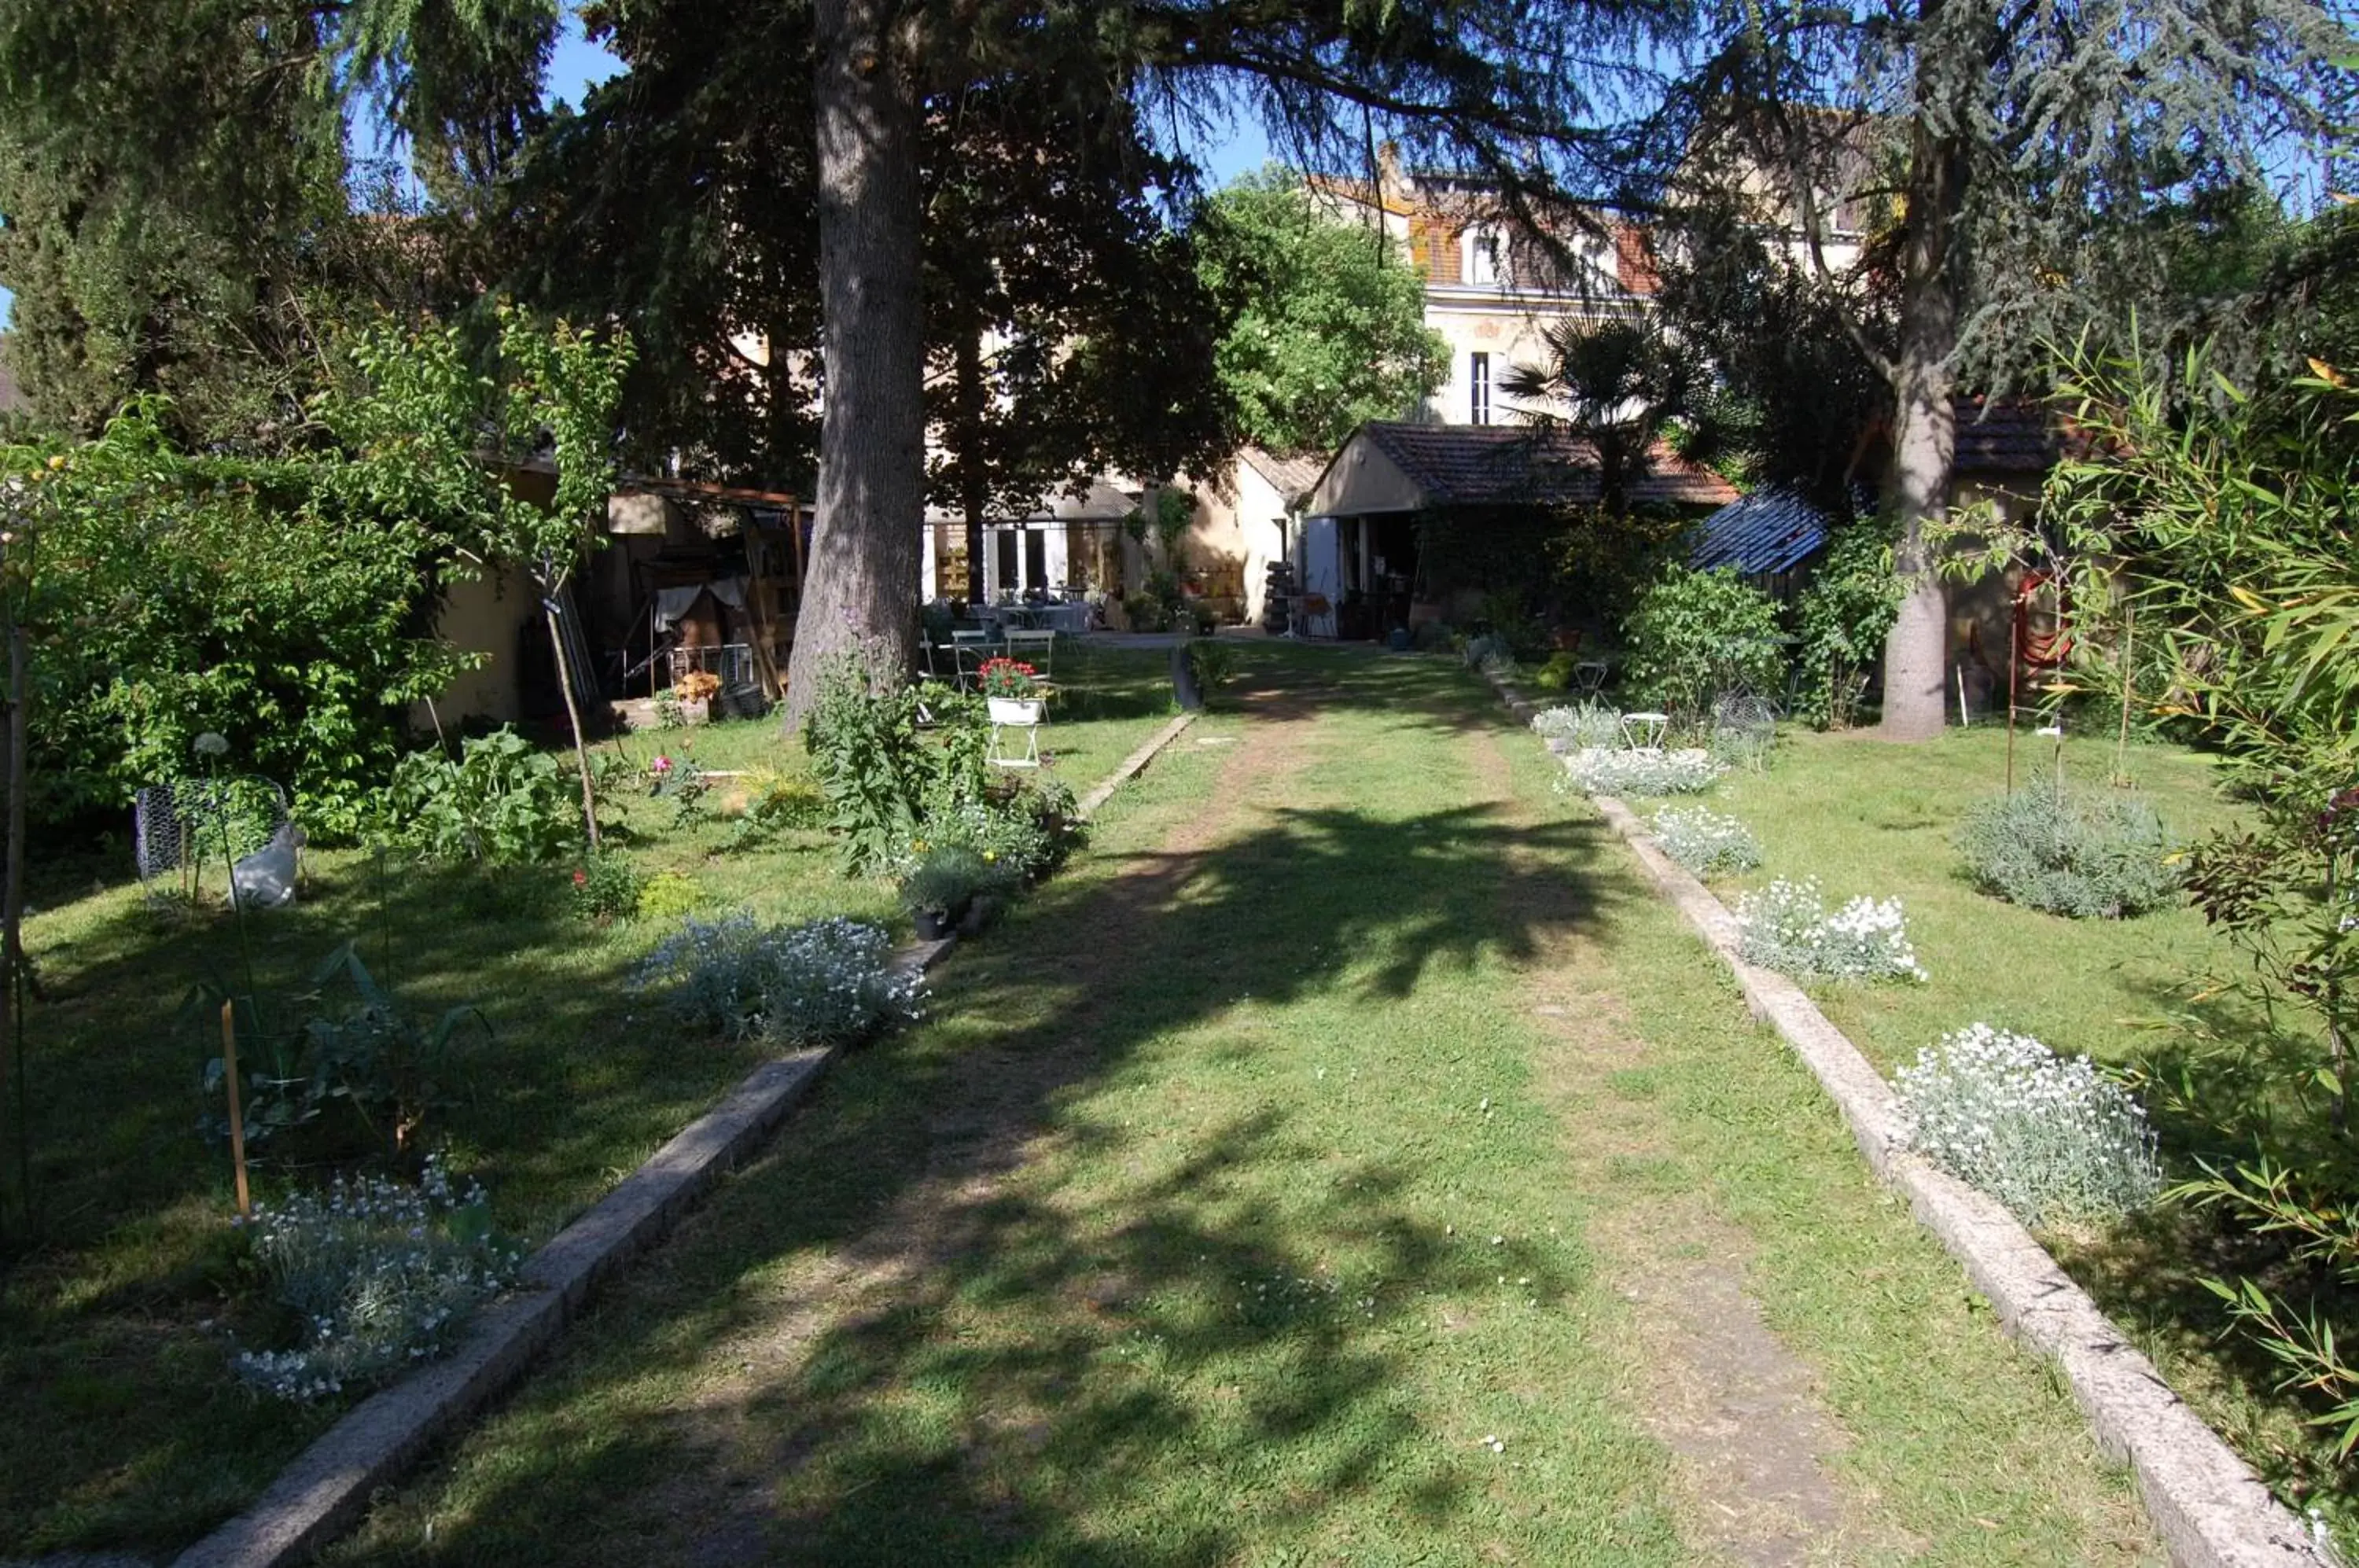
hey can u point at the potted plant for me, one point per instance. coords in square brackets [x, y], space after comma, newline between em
[1013, 690]
[694, 692]
[942, 884]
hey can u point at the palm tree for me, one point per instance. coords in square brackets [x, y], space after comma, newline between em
[1612, 386]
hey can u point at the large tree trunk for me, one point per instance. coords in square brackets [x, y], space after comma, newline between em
[1924, 443]
[974, 495]
[862, 593]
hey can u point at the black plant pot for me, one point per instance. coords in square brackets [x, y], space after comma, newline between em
[933, 924]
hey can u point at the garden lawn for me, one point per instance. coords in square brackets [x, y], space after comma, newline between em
[125, 1427]
[1349, 1159]
[1869, 818]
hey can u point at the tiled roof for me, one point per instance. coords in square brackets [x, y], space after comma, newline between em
[1290, 476]
[1476, 465]
[1768, 531]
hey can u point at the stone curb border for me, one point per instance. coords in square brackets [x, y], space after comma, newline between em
[2208, 1508]
[1133, 764]
[329, 1485]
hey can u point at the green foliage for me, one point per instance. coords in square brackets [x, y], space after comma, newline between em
[1706, 843]
[356, 1051]
[1697, 634]
[166, 596]
[1615, 386]
[2082, 856]
[2052, 1138]
[668, 894]
[881, 769]
[828, 982]
[1843, 616]
[286, 603]
[1023, 829]
[1214, 661]
[775, 804]
[607, 887]
[376, 1276]
[949, 876]
[502, 800]
[1329, 323]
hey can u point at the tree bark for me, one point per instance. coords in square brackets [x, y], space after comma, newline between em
[861, 595]
[974, 495]
[1924, 439]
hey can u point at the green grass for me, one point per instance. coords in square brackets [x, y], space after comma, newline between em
[124, 1427]
[1346, 1109]
[1869, 818]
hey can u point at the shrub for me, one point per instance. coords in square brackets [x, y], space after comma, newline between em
[1484, 649]
[503, 798]
[606, 888]
[1705, 843]
[829, 981]
[947, 876]
[2085, 857]
[1027, 829]
[1214, 661]
[1785, 927]
[381, 1275]
[1588, 724]
[1641, 770]
[1841, 620]
[2050, 1138]
[667, 896]
[1744, 730]
[1698, 634]
[355, 1052]
[883, 765]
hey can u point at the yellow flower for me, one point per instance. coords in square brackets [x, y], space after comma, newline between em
[918, 845]
[56, 462]
[990, 855]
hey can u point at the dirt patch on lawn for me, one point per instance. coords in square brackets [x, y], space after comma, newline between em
[991, 1121]
[1708, 1377]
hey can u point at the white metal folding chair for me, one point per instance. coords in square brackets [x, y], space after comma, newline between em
[1035, 649]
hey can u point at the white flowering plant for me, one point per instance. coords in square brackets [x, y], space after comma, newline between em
[1705, 842]
[1641, 770]
[829, 981]
[1588, 724]
[1785, 927]
[2050, 1136]
[381, 1274]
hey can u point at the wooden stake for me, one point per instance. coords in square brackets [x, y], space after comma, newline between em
[236, 1119]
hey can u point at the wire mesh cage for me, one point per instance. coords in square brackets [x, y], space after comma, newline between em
[1744, 728]
[229, 838]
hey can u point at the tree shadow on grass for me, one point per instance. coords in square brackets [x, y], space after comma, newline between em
[970, 1367]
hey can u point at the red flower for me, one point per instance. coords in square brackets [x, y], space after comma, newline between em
[581, 878]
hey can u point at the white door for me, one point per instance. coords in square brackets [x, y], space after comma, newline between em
[1322, 570]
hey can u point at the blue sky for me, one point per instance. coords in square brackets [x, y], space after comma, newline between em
[578, 64]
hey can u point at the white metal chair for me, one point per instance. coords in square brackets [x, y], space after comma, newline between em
[1035, 649]
[1644, 730]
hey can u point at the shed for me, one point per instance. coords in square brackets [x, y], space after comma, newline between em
[1393, 486]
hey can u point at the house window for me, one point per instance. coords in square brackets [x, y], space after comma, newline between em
[1478, 389]
[1485, 265]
